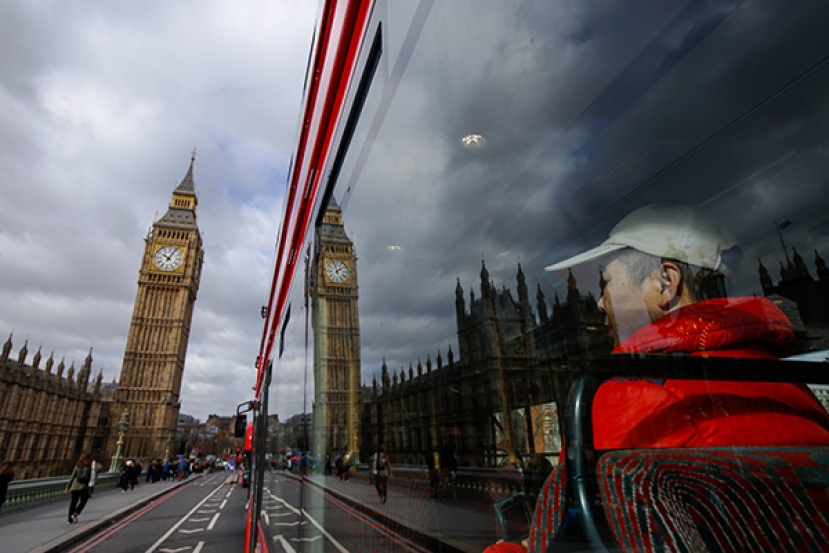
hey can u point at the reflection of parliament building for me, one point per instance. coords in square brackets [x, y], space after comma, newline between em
[47, 418]
[796, 284]
[507, 354]
[805, 300]
[510, 355]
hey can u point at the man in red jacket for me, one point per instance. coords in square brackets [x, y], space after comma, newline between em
[663, 277]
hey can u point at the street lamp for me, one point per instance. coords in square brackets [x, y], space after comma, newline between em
[167, 451]
[122, 427]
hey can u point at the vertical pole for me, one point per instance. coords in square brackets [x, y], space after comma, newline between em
[780, 235]
[260, 431]
[115, 465]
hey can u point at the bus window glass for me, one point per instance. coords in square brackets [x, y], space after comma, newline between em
[448, 288]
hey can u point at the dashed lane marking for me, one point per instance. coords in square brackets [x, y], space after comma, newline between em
[285, 544]
[181, 521]
[295, 523]
[314, 538]
[325, 532]
[213, 522]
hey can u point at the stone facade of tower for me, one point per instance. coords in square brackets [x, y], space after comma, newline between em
[332, 287]
[168, 283]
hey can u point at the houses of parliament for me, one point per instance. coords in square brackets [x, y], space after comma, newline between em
[49, 414]
[515, 354]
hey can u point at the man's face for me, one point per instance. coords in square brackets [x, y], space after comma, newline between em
[627, 305]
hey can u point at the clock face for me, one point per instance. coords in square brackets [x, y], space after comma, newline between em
[337, 271]
[168, 258]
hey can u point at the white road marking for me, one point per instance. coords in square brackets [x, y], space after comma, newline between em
[222, 506]
[331, 538]
[191, 530]
[287, 505]
[285, 544]
[213, 522]
[198, 547]
[181, 521]
[185, 548]
[315, 538]
[295, 523]
[294, 510]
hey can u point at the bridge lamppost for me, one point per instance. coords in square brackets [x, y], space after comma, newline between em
[122, 427]
[167, 451]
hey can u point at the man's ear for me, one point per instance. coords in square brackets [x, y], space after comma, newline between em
[670, 282]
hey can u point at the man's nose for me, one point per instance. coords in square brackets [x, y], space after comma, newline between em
[601, 304]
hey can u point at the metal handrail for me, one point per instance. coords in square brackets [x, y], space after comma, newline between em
[36, 491]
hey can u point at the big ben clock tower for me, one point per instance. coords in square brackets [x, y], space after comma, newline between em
[332, 286]
[168, 283]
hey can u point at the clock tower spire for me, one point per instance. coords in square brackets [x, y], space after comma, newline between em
[168, 282]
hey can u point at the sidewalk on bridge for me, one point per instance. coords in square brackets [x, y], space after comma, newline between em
[465, 525]
[43, 528]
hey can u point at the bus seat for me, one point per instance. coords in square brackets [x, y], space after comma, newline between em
[548, 513]
[717, 499]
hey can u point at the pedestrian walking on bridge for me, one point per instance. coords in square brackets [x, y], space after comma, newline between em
[78, 486]
[381, 471]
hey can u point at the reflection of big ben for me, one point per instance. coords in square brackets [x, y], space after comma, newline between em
[332, 286]
[168, 282]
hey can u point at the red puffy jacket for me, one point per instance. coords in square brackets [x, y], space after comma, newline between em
[680, 413]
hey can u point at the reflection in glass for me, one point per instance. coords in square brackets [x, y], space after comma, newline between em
[457, 338]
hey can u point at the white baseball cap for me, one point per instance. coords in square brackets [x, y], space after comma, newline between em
[682, 233]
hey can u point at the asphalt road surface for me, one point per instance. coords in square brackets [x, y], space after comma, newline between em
[299, 518]
[206, 516]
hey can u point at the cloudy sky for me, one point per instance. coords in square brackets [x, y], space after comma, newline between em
[101, 105]
[588, 109]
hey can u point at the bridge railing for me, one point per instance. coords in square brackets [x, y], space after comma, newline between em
[35, 491]
[487, 485]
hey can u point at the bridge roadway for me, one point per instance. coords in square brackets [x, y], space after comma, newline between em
[205, 514]
[465, 525]
[137, 520]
